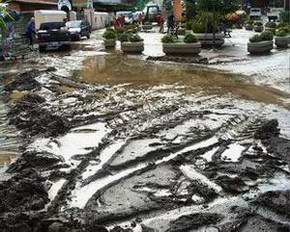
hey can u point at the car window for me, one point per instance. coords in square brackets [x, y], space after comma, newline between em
[51, 26]
[73, 24]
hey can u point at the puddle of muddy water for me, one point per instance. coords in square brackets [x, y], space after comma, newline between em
[8, 138]
[117, 69]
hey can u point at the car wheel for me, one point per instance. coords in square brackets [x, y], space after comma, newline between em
[89, 35]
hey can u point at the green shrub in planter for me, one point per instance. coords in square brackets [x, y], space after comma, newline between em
[266, 36]
[188, 25]
[281, 33]
[286, 29]
[282, 24]
[258, 24]
[255, 39]
[110, 34]
[135, 38]
[198, 27]
[271, 25]
[168, 39]
[124, 37]
[190, 38]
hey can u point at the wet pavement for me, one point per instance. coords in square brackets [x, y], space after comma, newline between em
[153, 146]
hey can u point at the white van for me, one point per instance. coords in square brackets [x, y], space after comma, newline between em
[47, 16]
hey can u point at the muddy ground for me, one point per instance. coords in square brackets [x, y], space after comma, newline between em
[123, 144]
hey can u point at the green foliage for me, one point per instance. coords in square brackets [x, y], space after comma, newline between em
[258, 23]
[250, 22]
[281, 33]
[190, 38]
[264, 36]
[285, 16]
[286, 29]
[4, 14]
[124, 37]
[190, 9]
[282, 24]
[271, 25]
[199, 27]
[255, 38]
[135, 38]
[221, 6]
[168, 39]
[188, 25]
[110, 34]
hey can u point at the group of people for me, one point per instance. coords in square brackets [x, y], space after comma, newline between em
[171, 24]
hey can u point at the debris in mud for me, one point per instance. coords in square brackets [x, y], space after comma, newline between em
[28, 115]
[180, 59]
[23, 192]
[194, 221]
[278, 201]
[233, 185]
[34, 159]
[24, 81]
[267, 130]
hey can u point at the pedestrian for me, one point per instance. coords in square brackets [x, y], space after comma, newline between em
[170, 24]
[30, 30]
[141, 19]
[160, 21]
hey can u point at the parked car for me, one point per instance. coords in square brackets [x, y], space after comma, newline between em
[255, 13]
[53, 35]
[78, 29]
[274, 14]
[128, 16]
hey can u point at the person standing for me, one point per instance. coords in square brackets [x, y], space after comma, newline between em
[160, 21]
[170, 24]
[30, 30]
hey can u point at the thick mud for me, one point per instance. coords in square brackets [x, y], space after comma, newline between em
[132, 145]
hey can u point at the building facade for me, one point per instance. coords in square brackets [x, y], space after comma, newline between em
[29, 6]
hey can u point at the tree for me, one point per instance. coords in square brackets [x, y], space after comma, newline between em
[3, 14]
[212, 11]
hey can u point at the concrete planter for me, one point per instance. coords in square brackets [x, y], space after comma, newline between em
[147, 27]
[258, 28]
[206, 39]
[109, 43]
[282, 42]
[181, 31]
[132, 47]
[260, 47]
[249, 27]
[182, 48]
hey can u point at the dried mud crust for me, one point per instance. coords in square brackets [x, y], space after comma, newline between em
[165, 163]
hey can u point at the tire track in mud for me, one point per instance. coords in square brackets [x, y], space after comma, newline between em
[196, 133]
[132, 163]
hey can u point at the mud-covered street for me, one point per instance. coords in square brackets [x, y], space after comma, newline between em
[95, 140]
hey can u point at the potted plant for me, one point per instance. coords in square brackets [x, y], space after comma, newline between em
[131, 43]
[206, 36]
[188, 46]
[271, 26]
[282, 38]
[262, 43]
[147, 26]
[110, 37]
[188, 26]
[249, 26]
[258, 26]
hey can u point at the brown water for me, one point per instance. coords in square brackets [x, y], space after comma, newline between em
[119, 69]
